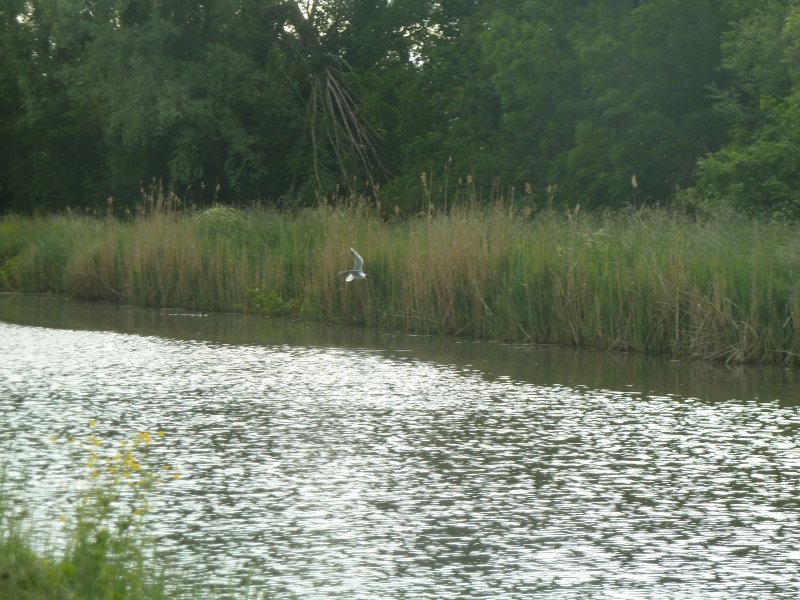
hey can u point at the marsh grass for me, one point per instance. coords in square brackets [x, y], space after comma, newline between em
[644, 280]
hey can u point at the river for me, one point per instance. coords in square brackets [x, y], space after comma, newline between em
[323, 461]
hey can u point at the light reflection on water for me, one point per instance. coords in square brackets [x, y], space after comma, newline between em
[343, 472]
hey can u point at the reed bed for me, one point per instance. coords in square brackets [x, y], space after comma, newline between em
[648, 280]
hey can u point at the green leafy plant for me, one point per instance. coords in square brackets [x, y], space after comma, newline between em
[270, 304]
[221, 221]
[108, 554]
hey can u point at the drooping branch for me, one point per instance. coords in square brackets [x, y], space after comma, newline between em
[332, 105]
[350, 131]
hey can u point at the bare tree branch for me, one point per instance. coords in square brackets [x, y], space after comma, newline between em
[331, 104]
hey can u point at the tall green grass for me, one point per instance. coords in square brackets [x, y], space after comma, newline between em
[651, 280]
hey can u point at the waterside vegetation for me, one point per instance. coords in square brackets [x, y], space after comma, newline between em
[650, 280]
[95, 565]
[106, 552]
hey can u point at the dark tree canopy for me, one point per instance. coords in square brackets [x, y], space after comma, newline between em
[600, 103]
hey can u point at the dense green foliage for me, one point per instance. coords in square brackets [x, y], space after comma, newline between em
[648, 280]
[602, 103]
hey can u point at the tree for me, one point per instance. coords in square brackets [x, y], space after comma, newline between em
[602, 91]
[225, 99]
[448, 112]
[238, 100]
[537, 77]
[51, 148]
[758, 170]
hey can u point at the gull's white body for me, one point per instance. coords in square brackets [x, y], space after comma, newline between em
[356, 272]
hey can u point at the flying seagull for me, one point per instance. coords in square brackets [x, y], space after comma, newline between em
[356, 272]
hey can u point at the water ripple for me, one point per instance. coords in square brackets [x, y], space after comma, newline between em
[330, 472]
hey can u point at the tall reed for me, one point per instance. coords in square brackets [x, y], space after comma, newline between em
[649, 280]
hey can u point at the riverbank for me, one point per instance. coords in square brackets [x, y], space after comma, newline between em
[648, 281]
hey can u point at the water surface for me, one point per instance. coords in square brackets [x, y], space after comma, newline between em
[331, 462]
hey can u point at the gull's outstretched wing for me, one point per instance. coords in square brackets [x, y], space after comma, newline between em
[359, 261]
